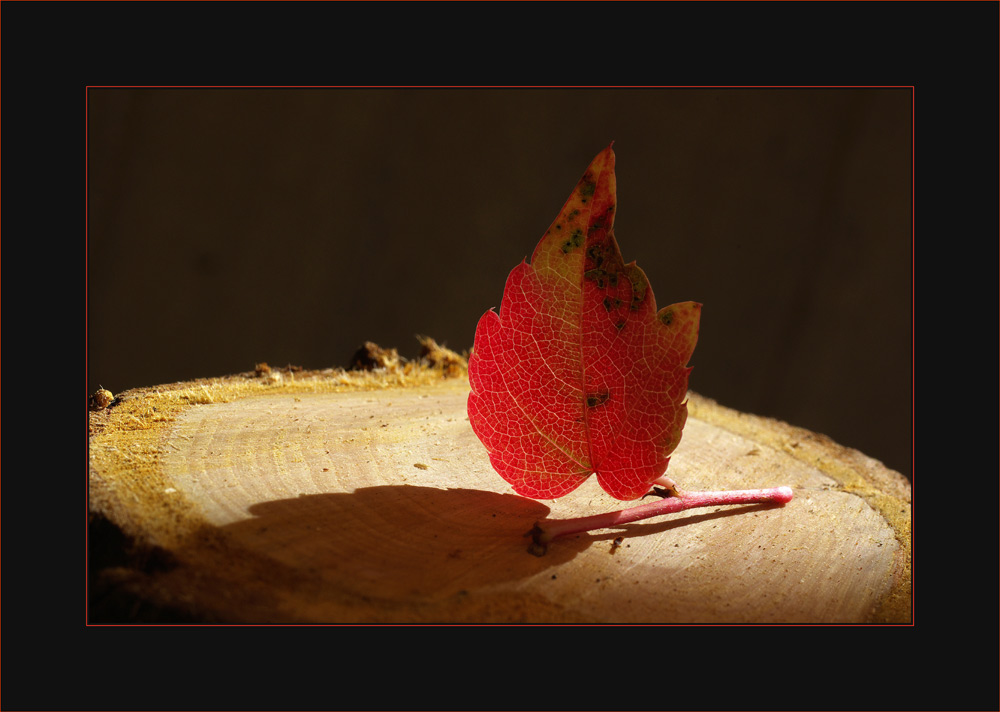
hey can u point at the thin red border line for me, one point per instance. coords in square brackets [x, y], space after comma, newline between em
[913, 337]
[86, 336]
[525, 86]
[912, 343]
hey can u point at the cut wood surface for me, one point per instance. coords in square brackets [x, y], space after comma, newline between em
[286, 496]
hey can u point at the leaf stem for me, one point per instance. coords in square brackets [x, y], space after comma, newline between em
[545, 531]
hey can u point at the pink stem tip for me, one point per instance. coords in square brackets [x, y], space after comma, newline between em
[546, 531]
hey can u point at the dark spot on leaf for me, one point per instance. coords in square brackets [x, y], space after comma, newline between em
[597, 275]
[596, 254]
[596, 399]
[638, 288]
[619, 325]
[575, 240]
[610, 303]
[667, 317]
[600, 222]
[602, 277]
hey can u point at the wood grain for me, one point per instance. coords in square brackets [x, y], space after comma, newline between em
[331, 497]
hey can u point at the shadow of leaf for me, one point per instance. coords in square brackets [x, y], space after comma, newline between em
[400, 542]
[651, 527]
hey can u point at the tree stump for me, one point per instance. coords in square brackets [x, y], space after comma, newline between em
[291, 496]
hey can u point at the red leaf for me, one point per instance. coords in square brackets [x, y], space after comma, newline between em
[579, 373]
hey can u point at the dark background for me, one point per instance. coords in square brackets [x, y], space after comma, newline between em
[232, 226]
